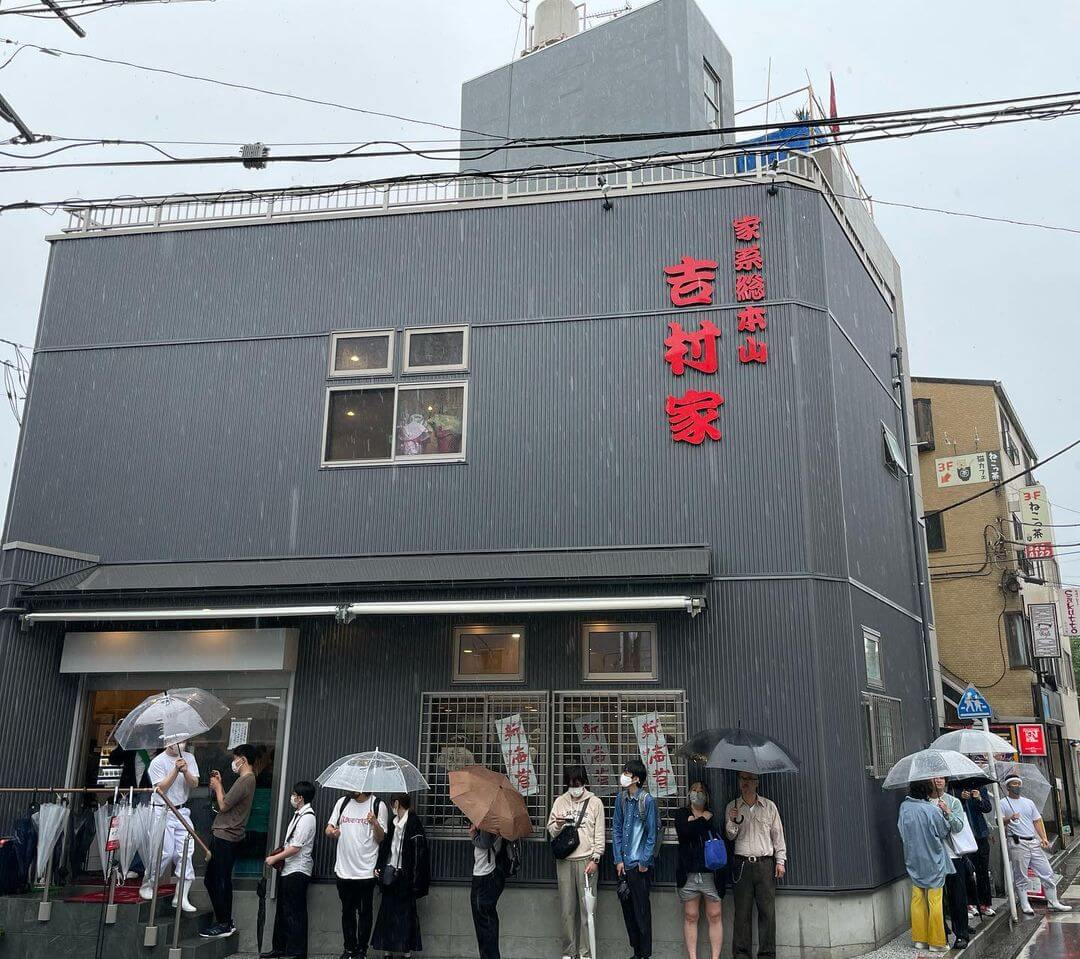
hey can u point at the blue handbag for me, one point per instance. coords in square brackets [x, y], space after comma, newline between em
[715, 854]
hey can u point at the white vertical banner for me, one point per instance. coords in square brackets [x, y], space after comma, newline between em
[652, 744]
[515, 749]
[1070, 622]
[1035, 515]
[595, 753]
[1044, 630]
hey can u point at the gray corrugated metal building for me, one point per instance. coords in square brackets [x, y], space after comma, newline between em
[175, 457]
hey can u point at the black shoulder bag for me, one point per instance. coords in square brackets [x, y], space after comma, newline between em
[566, 840]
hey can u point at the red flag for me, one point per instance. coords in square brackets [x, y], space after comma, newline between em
[832, 104]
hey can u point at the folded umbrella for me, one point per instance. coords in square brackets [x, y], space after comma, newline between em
[490, 802]
[1035, 786]
[51, 821]
[372, 772]
[170, 717]
[739, 749]
[974, 742]
[260, 915]
[128, 834]
[930, 764]
[590, 911]
[102, 817]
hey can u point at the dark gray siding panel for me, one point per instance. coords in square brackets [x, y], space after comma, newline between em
[26, 566]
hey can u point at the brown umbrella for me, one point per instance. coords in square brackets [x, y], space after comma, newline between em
[490, 802]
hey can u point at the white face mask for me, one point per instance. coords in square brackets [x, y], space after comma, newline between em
[625, 780]
[576, 792]
[236, 766]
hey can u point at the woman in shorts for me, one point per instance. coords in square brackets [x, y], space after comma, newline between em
[694, 825]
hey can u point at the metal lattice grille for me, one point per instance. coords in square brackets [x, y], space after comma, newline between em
[885, 733]
[607, 717]
[459, 729]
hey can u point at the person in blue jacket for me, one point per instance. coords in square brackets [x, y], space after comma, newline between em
[634, 844]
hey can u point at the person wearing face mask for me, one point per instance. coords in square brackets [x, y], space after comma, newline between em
[295, 861]
[633, 841]
[227, 832]
[582, 811]
[694, 826]
[403, 871]
[175, 773]
[1028, 843]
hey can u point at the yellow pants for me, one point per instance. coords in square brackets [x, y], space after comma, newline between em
[927, 919]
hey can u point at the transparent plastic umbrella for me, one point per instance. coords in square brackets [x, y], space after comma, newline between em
[51, 822]
[128, 835]
[102, 815]
[1035, 787]
[930, 764]
[974, 742]
[169, 717]
[151, 821]
[372, 772]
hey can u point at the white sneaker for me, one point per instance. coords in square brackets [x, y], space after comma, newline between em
[146, 891]
[938, 950]
[1058, 907]
[921, 945]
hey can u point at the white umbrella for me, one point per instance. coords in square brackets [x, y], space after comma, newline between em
[151, 822]
[590, 912]
[930, 764]
[51, 821]
[169, 717]
[102, 816]
[372, 772]
[974, 742]
[129, 837]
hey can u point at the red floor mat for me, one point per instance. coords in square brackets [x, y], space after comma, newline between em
[124, 894]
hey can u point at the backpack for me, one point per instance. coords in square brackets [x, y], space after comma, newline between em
[508, 858]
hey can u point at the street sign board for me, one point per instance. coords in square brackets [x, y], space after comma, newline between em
[969, 469]
[1071, 622]
[1044, 630]
[973, 705]
[1035, 517]
[1032, 739]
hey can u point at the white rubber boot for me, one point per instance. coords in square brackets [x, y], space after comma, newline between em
[187, 906]
[146, 891]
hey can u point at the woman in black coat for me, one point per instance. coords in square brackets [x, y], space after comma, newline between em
[698, 885]
[403, 871]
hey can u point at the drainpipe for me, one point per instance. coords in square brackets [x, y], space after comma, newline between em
[918, 541]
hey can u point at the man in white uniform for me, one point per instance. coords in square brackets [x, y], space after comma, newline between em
[175, 773]
[1027, 844]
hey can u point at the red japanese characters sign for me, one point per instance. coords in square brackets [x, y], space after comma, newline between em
[516, 755]
[652, 744]
[1031, 739]
[692, 417]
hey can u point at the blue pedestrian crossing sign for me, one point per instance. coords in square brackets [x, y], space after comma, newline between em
[973, 705]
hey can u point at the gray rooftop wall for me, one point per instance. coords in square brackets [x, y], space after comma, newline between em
[639, 73]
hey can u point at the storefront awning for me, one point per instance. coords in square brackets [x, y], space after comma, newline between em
[346, 612]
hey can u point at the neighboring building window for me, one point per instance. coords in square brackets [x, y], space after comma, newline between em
[618, 652]
[436, 350]
[924, 424]
[1016, 636]
[713, 89]
[1008, 447]
[894, 453]
[489, 654]
[1018, 528]
[462, 729]
[872, 653]
[362, 354]
[935, 532]
[596, 729]
[883, 733]
[360, 424]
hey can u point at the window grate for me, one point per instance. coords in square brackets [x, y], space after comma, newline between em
[611, 714]
[458, 729]
[885, 733]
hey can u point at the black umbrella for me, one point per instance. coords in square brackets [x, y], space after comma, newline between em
[260, 917]
[739, 749]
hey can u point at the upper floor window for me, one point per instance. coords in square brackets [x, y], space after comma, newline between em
[924, 424]
[367, 353]
[1007, 445]
[872, 654]
[894, 453]
[619, 651]
[488, 654]
[1016, 633]
[439, 349]
[713, 112]
[935, 532]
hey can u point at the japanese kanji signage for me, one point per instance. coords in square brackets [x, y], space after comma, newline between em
[1070, 601]
[1031, 739]
[692, 417]
[515, 749]
[595, 753]
[1035, 515]
[1044, 630]
[652, 744]
[968, 470]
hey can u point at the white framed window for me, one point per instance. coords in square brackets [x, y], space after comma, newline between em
[883, 733]
[489, 654]
[362, 353]
[895, 459]
[436, 349]
[713, 101]
[394, 423]
[618, 652]
[872, 653]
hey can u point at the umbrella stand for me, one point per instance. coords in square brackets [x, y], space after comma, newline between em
[1007, 873]
[150, 934]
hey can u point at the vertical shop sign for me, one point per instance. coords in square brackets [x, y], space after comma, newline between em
[1071, 620]
[1031, 739]
[238, 733]
[652, 744]
[1035, 515]
[595, 753]
[1044, 630]
[515, 749]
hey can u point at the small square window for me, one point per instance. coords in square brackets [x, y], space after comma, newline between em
[894, 454]
[935, 532]
[362, 354]
[436, 350]
[872, 652]
[489, 654]
[359, 425]
[1016, 632]
[430, 423]
[619, 652]
[924, 423]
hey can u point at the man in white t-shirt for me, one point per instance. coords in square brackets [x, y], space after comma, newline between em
[296, 861]
[175, 773]
[1027, 844]
[359, 824]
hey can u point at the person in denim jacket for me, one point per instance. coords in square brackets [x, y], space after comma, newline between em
[634, 839]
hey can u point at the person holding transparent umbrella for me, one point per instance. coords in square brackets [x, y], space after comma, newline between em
[1028, 843]
[175, 773]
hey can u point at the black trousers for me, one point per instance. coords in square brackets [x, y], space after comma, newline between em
[957, 900]
[485, 912]
[290, 917]
[637, 911]
[218, 879]
[755, 884]
[979, 889]
[356, 896]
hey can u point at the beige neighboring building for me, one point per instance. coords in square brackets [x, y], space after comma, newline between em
[969, 438]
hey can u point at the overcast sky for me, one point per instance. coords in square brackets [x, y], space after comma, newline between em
[983, 300]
